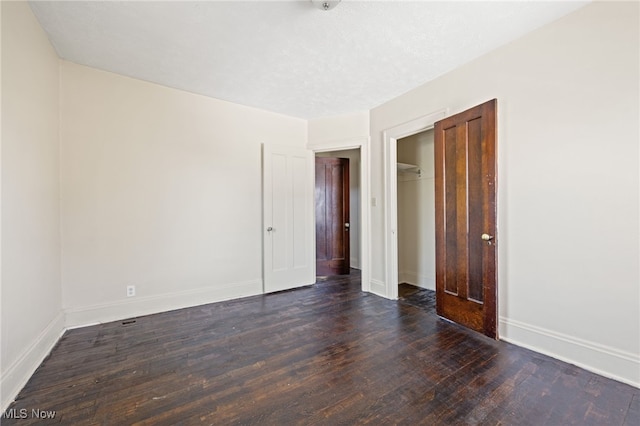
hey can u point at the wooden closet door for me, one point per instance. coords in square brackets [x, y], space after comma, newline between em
[466, 243]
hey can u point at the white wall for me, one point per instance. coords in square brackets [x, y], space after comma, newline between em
[354, 200]
[161, 189]
[326, 130]
[416, 212]
[31, 294]
[568, 131]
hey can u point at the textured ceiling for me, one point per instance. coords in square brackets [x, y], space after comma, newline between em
[288, 57]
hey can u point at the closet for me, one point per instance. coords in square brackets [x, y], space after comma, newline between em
[416, 210]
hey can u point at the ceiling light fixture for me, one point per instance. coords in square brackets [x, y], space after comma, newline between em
[325, 4]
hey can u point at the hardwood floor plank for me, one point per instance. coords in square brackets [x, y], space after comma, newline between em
[326, 354]
[632, 416]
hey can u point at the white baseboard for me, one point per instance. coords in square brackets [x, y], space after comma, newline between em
[378, 287]
[21, 370]
[138, 306]
[353, 263]
[600, 359]
[423, 281]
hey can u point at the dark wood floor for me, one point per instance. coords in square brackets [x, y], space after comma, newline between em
[419, 297]
[326, 354]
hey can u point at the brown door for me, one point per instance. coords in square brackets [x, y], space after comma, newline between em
[465, 177]
[332, 216]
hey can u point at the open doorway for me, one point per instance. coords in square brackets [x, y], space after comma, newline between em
[465, 213]
[338, 235]
[391, 137]
[416, 217]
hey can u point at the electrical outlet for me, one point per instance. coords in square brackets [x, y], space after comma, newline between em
[131, 290]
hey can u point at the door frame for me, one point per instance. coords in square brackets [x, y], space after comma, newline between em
[365, 208]
[390, 140]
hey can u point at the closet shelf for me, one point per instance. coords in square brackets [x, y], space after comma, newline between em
[409, 168]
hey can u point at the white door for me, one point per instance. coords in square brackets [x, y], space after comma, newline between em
[288, 222]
